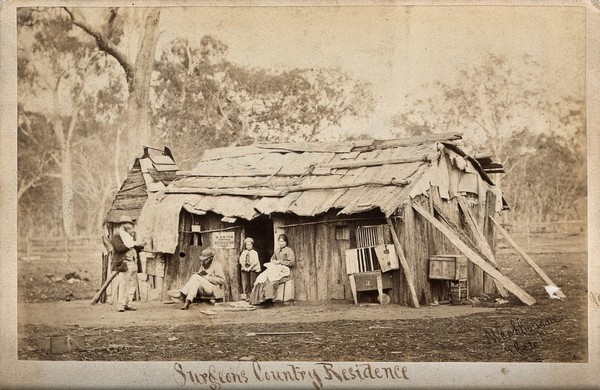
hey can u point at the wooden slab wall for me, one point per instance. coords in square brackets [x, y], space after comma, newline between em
[180, 268]
[330, 284]
[439, 244]
[489, 233]
[415, 237]
[320, 271]
[304, 283]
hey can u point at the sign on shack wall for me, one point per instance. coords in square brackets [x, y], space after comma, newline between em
[223, 240]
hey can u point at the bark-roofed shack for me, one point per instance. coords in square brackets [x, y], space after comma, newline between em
[323, 195]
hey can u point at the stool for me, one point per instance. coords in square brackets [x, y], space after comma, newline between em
[204, 298]
[370, 281]
[459, 290]
[285, 290]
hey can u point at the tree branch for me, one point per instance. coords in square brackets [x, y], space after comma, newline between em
[104, 44]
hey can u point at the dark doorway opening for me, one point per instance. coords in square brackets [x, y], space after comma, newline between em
[261, 230]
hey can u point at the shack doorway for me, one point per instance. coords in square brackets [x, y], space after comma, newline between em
[261, 230]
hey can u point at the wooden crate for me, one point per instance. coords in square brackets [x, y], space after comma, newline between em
[448, 267]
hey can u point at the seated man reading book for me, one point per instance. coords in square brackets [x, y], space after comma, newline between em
[208, 280]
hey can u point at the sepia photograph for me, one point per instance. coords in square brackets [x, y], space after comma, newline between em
[313, 195]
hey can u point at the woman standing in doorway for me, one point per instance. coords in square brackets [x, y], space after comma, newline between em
[265, 287]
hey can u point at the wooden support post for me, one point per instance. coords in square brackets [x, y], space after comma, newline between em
[481, 242]
[104, 275]
[380, 288]
[528, 259]
[474, 257]
[407, 270]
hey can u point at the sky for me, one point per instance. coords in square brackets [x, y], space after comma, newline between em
[396, 48]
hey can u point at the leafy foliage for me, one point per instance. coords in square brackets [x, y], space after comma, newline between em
[504, 111]
[68, 92]
[204, 101]
[74, 98]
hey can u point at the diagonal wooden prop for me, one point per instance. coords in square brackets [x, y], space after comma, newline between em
[528, 259]
[474, 257]
[481, 241]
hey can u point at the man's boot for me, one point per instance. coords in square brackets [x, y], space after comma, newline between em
[186, 305]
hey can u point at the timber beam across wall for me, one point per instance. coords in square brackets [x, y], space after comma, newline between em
[474, 257]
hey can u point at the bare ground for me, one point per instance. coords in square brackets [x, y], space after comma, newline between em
[553, 331]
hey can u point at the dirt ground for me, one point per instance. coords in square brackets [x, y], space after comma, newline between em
[549, 331]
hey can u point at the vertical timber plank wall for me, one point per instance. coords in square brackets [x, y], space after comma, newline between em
[341, 279]
[416, 236]
[330, 273]
[441, 245]
[320, 271]
[180, 269]
[489, 233]
[302, 242]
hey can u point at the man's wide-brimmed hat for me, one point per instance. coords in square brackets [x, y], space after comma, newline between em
[125, 219]
[207, 254]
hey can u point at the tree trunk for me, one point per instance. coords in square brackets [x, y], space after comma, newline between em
[138, 74]
[67, 190]
[118, 156]
[138, 119]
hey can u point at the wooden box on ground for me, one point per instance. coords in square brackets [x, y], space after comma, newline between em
[61, 343]
[448, 267]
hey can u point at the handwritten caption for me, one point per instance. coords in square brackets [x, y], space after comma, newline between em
[318, 374]
[518, 337]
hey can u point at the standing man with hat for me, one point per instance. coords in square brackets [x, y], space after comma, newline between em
[125, 262]
[208, 280]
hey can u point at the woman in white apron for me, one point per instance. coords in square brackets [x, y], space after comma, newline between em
[265, 286]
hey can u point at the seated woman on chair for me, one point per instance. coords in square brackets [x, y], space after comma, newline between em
[266, 284]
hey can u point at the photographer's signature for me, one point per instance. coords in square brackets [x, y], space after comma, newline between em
[511, 336]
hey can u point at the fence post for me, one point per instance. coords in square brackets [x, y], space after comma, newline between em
[528, 231]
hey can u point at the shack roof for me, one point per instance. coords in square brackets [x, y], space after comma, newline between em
[150, 173]
[308, 179]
